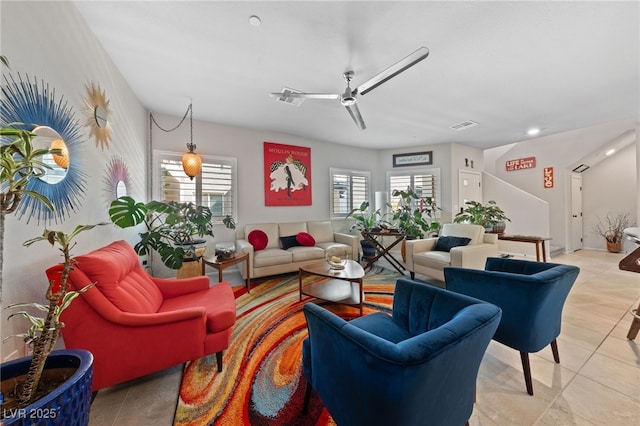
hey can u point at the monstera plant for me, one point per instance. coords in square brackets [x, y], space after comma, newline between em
[171, 227]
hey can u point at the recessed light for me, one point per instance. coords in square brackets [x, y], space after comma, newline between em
[533, 131]
[255, 20]
[611, 151]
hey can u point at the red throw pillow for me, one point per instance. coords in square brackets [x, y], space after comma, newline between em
[305, 239]
[258, 239]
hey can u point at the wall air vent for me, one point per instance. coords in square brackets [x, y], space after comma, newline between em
[581, 168]
[464, 125]
[289, 100]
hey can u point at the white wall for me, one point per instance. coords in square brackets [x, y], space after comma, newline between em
[50, 41]
[609, 188]
[561, 151]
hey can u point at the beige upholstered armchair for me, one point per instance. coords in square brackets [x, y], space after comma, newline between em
[423, 258]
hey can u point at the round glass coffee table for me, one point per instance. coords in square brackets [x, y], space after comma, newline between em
[344, 286]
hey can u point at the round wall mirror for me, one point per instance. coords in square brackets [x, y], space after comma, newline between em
[100, 115]
[121, 189]
[58, 162]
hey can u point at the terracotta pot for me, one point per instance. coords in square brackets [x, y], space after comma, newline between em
[614, 247]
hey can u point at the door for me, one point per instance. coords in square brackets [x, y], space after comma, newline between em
[576, 211]
[469, 188]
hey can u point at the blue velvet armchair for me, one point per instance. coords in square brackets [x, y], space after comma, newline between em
[531, 296]
[415, 367]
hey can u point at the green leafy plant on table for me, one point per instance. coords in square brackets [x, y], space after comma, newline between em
[410, 214]
[487, 215]
[171, 227]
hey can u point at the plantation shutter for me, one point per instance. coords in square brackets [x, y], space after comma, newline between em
[348, 190]
[214, 187]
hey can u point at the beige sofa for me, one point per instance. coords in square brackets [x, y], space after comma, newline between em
[423, 259]
[274, 260]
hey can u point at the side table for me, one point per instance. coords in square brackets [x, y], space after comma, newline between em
[383, 251]
[223, 264]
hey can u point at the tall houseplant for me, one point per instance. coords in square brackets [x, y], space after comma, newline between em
[43, 333]
[171, 227]
[19, 162]
[365, 220]
[410, 214]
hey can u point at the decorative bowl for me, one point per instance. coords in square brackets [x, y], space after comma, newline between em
[336, 265]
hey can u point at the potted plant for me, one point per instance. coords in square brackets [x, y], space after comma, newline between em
[366, 220]
[488, 215]
[409, 216]
[34, 387]
[612, 229]
[171, 227]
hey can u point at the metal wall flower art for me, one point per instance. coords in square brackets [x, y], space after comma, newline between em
[98, 115]
[33, 106]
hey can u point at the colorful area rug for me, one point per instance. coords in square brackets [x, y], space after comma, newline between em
[262, 382]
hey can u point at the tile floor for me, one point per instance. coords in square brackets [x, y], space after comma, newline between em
[597, 382]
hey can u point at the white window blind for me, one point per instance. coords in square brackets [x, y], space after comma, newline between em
[348, 190]
[214, 187]
[425, 184]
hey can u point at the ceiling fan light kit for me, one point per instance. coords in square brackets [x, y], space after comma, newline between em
[349, 99]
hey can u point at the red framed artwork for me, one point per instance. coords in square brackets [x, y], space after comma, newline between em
[287, 175]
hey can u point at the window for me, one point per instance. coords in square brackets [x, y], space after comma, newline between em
[425, 183]
[348, 190]
[215, 187]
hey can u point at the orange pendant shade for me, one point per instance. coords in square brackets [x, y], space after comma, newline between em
[191, 163]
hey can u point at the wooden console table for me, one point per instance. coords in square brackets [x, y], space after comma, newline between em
[384, 251]
[538, 241]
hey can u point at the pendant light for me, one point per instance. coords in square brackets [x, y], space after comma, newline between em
[191, 162]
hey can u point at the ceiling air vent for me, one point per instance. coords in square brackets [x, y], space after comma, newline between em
[289, 100]
[464, 125]
[581, 168]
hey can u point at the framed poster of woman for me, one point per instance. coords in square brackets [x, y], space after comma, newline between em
[287, 175]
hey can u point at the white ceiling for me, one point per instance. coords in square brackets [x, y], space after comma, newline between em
[505, 65]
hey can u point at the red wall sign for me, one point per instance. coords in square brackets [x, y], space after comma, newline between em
[520, 164]
[548, 177]
[287, 175]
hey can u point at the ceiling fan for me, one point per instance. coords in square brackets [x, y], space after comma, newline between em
[349, 98]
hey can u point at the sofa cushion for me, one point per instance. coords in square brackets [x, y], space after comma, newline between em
[305, 239]
[271, 229]
[322, 232]
[271, 257]
[118, 275]
[258, 239]
[288, 242]
[301, 254]
[218, 302]
[433, 259]
[447, 243]
[292, 228]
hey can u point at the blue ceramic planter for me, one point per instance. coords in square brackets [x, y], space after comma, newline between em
[69, 404]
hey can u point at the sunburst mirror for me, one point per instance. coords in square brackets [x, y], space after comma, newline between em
[34, 106]
[116, 179]
[98, 115]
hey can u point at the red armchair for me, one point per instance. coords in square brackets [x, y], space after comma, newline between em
[135, 324]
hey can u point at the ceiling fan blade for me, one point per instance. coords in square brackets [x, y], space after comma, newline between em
[305, 95]
[354, 111]
[392, 71]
